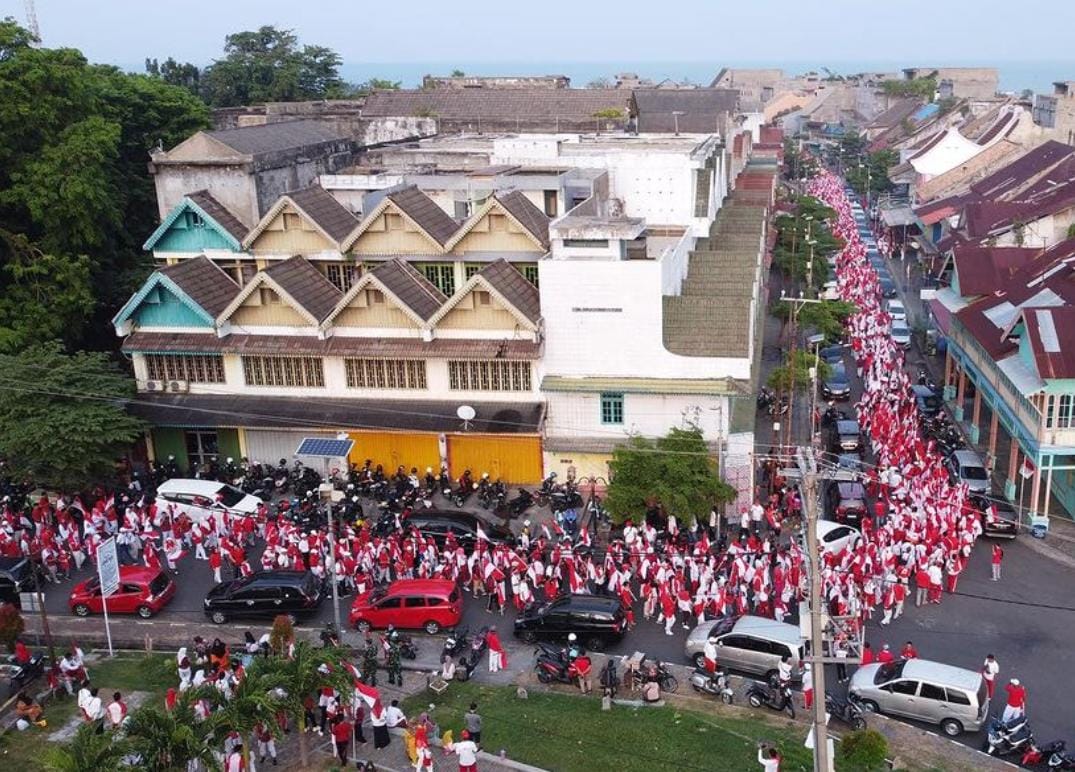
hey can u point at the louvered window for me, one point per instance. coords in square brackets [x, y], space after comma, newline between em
[283, 371]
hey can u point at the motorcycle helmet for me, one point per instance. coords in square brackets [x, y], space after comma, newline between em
[571, 637]
[230, 460]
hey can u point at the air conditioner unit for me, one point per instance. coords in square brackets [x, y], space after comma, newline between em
[178, 387]
[155, 385]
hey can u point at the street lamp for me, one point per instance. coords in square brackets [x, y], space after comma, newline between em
[810, 268]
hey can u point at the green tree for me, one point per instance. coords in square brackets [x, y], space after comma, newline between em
[175, 73]
[375, 84]
[827, 317]
[169, 740]
[62, 421]
[87, 751]
[457, 73]
[794, 374]
[924, 88]
[301, 674]
[12, 625]
[676, 473]
[864, 750]
[268, 65]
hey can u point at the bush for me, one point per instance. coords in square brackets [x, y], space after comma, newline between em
[282, 634]
[11, 625]
[865, 750]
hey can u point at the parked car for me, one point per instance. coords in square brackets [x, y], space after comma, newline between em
[832, 354]
[846, 502]
[836, 386]
[429, 604]
[965, 466]
[953, 697]
[753, 644]
[999, 518]
[845, 436]
[829, 291]
[142, 590]
[18, 575]
[888, 288]
[901, 334]
[833, 537]
[896, 310]
[437, 524]
[597, 620]
[851, 462]
[264, 594]
[928, 401]
[199, 499]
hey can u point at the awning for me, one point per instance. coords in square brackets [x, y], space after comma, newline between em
[264, 412]
[1022, 377]
[897, 216]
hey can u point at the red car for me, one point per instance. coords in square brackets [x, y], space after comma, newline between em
[142, 591]
[429, 604]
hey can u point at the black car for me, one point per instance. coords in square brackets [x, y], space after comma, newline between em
[597, 620]
[18, 575]
[928, 401]
[832, 354]
[264, 594]
[845, 437]
[846, 502]
[837, 386]
[999, 519]
[888, 288]
[437, 524]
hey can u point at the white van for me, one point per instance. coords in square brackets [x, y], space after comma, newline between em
[201, 498]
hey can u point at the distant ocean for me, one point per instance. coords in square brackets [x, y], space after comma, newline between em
[1014, 76]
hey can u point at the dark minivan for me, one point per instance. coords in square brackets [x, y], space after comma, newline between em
[597, 620]
[437, 524]
[18, 575]
[264, 594]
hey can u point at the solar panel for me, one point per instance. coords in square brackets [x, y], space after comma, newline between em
[322, 446]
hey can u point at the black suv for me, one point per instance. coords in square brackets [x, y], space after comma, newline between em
[18, 575]
[597, 620]
[437, 524]
[847, 502]
[264, 594]
[846, 437]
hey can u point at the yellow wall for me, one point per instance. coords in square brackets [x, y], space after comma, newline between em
[585, 464]
[304, 240]
[490, 317]
[376, 240]
[377, 315]
[274, 314]
[482, 239]
[391, 449]
[514, 460]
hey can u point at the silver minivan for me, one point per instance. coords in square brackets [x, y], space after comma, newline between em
[966, 467]
[751, 644]
[927, 691]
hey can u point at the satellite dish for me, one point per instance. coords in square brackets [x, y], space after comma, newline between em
[466, 412]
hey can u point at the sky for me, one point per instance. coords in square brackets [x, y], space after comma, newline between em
[922, 32]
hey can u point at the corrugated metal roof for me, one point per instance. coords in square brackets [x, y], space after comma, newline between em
[1050, 343]
[1021, 376]
[275, 137]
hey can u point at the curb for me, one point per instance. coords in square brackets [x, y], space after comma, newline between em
[483, 755]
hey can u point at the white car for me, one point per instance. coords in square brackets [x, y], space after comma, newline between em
[901, 334]
[896, 310]
[833, 537]
[201, 498]
[829, 291]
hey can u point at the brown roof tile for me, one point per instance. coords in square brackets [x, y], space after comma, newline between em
[207, 285]
[691, 110]
[478, 104]
[528, 215]
[514, 287]
[321, 207]
[411, 287]
[428, 216]
[220, 213]
[275, 137]
[306, 285]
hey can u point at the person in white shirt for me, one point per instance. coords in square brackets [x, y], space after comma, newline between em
[769, 759]
[990, 668]
[394, 716]
[116, 711]
[467, 751]
[93, 711]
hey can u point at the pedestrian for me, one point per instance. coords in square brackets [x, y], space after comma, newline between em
[921, 580]
[784, 671]
[998, 556]
[582, 667]
[936, 577]
[497, 657]
[840, 652]
[341, 735]
[908, 651]
[235, 761]
[867, 654]
[1016, 705]
[473, 722]
[116, 713]
[394, 717]
[769, 758]
[467, 751]
[266, 743]
[808, 686]
[369, 663]
[379, 722]
[990, 668]
[215, 562]
[885, 656]
[394, 660]
[93, 711]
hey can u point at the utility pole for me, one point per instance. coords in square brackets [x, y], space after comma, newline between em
[822, 762]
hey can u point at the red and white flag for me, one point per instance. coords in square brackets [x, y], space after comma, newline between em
[1027, 469]
[370, 695]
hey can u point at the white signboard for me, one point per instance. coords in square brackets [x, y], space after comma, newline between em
[108, 566]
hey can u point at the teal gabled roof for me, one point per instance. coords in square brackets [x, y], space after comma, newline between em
[215, 215]
[200, 287]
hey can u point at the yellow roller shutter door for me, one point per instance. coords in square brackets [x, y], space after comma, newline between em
[392, 449]
[512, 459]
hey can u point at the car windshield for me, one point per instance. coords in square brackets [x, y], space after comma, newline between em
[974, 473]
[230, 496]
[888, 671]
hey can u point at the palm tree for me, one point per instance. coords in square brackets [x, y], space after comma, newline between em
[256, 699]
[301, 675]
[88, 751]
[168, 740]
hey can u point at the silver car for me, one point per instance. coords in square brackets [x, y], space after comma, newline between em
[966, 467]
[953, 697]
[751, 644]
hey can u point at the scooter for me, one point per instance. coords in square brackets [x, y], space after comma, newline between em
[716, 684]
[776, 698]
[469, 662]
[552, 665]
[516, 506]
[849, 711]
[1003, 738]
[455, 643]
[1034, 755]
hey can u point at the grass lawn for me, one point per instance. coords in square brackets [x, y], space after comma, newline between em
[152, 674]
[565, 733]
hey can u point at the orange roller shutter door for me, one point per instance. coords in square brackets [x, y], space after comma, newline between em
[512, 459]
[392, 449]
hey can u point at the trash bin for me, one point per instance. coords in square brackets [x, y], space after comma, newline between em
[1039, 526]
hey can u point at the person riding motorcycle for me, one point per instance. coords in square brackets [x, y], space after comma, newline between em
[709, 652]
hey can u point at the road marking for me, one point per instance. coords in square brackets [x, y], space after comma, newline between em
[177, 624]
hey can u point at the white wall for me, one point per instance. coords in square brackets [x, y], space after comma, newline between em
[573, 414]
[674, 265]
[624, 338]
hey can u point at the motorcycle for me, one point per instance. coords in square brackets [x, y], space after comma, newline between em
[654, 671]
[455, 643]
[1003, 738]
[466, 487]
[21, 675]
[924, 379]
[1034, 755]
[472, 658]
[775, 697]
[849, 711]
[516, 506]
[553, 665]
[716, 684]
[407, 649]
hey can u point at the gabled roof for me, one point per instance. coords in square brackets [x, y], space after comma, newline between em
[275, 137]
[1013, 176]
[325, 213]
[508, 286]
[895, 114]
[415, 295]
[214, 213]
[198, 283]
[1051, 332]
[418, 208]
[516, 206]
[984, 270]
[299, 283]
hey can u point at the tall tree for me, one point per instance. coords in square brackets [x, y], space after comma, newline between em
[268, 65]
[62, 421]
[88, 751]
[172, 740]
[175, 73]
[301, 674]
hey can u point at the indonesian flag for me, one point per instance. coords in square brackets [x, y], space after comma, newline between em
[481, 533]
[1027, 469]
[370, 695]
[355, 673]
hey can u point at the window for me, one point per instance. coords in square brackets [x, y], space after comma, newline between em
[1063, 419]
[283, 371]
[481, 298]
[196, 220]
[462, 210]
[389, 603]
[195, 368]
[267, 296]
[470, 269]
[393, 222]
[529, 271]
[442, 275]
[240, 271]
[492, 375]
[611, 408]
[903, 687]
[342, 276]
[374, 297]
[932, 692]
[201, 446]
[414, 602]
[385, 373]
[498, 223]
[587, 243]
[550, 203]
[957, 697]
[292, 222]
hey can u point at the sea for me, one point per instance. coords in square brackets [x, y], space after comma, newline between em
[1015, 76]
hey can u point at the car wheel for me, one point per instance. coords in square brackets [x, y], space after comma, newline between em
[145, 612]
[754, 700]
[218, 617]
[544, 676]
[951, 727]
[870, 706]
[432, 627]
[81, 610]
[699, 660]
[362, 626]
[529, 636]
[595, 644]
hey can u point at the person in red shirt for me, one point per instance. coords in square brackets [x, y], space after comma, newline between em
[22, 653]
[885, 655]
[908, 651]
[867, 654]
[341, 735]
[921, 580]
[1016, 700]
[997, 557]
[215, 562]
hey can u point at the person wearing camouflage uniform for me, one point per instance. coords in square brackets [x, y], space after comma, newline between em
[395, 661]
[369, 663]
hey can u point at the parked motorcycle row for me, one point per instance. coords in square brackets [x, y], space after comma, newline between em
[1013, 738]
